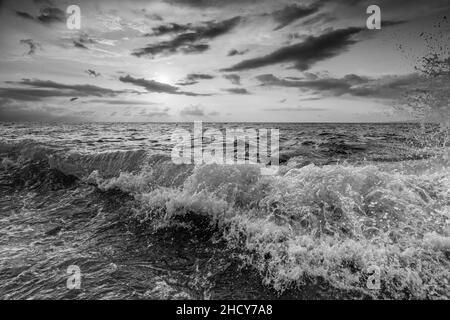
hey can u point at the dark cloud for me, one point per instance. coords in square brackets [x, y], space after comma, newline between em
[337, 86]
[304, 54]
[26, 94]
[24, 15]
[11, 112]
[32, 46]
[122, 102]
[193, 41]
[199, 76]
[36, 89]
[51, 15]
[388, 5]
[237, 91]
[321, 19]
[291, 13]
[150, 85]
[234, 78]
[78, 44]
[390, 23]
[155, 86]
[47, 15]
[210, 3]
[82, 40]
[235, 52]
[93, 73]
[192, 111]
[387, 87]
[169, 28]
[194, 77]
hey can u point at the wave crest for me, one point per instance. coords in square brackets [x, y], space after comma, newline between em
[328, 224]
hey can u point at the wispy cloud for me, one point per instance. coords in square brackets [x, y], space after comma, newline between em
[291, 13]
[32, 46]
[155, 86]
[93, 73]
[193, 78]
[192, 111]
[236, 91]
[47, 15]
[169, 29]
[35, 89]
[385, 87]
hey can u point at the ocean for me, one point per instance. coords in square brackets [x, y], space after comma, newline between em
[355, 211]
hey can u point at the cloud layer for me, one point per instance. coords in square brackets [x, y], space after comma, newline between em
[304, 54]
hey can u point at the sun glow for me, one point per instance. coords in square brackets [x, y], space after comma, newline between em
[163, 78]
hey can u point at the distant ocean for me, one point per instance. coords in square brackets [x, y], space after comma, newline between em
[350, 202]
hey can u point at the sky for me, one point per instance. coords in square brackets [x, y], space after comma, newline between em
[212, 60]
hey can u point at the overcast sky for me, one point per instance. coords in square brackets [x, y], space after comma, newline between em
[211, 60]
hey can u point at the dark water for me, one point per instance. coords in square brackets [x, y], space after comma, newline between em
[108, 199]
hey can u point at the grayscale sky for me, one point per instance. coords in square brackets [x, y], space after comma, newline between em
[211, 60]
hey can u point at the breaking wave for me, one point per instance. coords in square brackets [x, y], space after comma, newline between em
[323, 225]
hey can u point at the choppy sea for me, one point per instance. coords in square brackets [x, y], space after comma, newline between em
[349, 202]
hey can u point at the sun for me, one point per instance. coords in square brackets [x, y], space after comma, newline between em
[162, 77]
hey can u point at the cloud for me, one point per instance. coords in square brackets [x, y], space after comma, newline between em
[122, 102]
[155, 86]
[82, 40]
[234, 78]
[193, 78]
[235, 52]
[237, 91]
[12, 112]
[24, 15]
[154, 114]
[304, 54]
[193, 41]
[25, 94]
[294, 109]
[92, 73]
[84, 113]
[321, 19]
[36, 89]
[386, 87]
[47, 15]
[192, 111]
[169, 28]
[32, 46]
[210, 3]
[79, 45]
[291, 13]
[51, 15]
[150, 85]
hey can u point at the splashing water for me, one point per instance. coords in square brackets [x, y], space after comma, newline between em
[170, 231]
